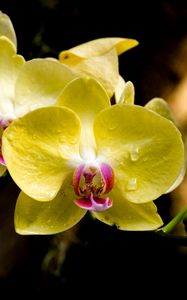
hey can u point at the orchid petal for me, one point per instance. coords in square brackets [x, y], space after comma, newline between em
[144, 149]
[128, 93]
[96, 48]
[39, 84]
[10, 65]
[7, 29]
[37, 149]
[130, 216]
[124, 92]
[98, 59]
[60, 214]
[104, 68]
[86, 97]
[118, 94]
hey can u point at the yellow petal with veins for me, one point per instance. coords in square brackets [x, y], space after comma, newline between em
[86, 97]
[145, 150]
[60, 214]
[130, 216]
[39, 84]
[39, 150]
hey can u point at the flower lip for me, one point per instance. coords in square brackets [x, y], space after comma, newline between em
[94, 204]
[90, 182]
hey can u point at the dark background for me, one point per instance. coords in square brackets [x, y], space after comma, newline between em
[97, 259]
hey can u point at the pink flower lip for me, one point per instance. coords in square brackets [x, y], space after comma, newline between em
[91, 182]
[94, 204]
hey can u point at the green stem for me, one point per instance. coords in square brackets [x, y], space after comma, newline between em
[176, 220]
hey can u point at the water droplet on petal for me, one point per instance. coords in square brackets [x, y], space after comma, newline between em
[134, 154]
[112, 127]
[132, 184]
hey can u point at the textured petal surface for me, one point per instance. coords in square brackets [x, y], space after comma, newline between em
[130, 216]
[86, 97]
[145, 150]
[96, 48]
[34, 217]
[37, 149]
[39, 84]
[10, 65]
[7, 29]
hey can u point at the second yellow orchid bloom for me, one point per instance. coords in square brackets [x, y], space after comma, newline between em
[99, 59]
[25, 86]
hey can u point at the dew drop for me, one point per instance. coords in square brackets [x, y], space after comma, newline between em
[132, 184]
[112, 127]
[134, 154]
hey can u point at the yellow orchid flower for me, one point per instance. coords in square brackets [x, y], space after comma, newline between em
[85, 154]
[98, 59]
[25, 86]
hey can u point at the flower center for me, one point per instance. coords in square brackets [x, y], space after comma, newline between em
[90, 182]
